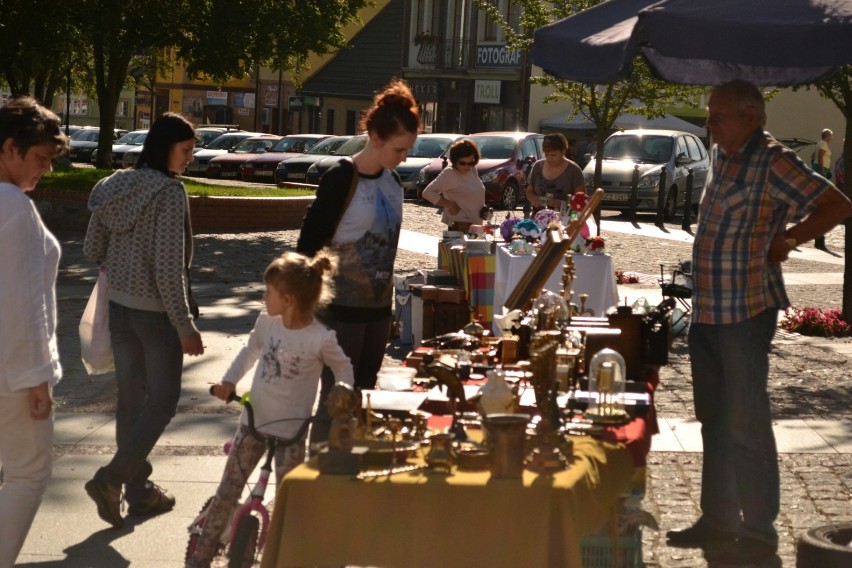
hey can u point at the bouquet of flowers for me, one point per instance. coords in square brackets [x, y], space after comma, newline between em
[507, 226]
[545, 217]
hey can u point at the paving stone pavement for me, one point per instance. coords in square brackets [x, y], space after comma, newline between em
[816, 487]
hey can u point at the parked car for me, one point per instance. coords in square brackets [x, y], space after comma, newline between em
[505, 160]
[425, 149]
[210, 132]
[295, 169]
[651, 151]
[85, 141]
[348, 148]
[228, 165]
[130, 157]
[202, 156]
[262, 167]
[130, 140]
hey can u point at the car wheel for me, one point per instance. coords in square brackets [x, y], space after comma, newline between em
[509, 199]
[828, 546]
[670, 209]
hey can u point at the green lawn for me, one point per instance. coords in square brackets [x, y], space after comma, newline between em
[84, 179]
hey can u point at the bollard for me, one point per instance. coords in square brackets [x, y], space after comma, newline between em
[661, 198]
[687, 202]
[634, 193]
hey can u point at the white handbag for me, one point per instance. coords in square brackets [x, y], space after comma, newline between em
[95, 344]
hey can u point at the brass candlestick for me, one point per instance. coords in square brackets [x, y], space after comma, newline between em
[546, 457]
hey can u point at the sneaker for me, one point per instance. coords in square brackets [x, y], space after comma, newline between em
[157, 501]
[699, 536]
[108, 499]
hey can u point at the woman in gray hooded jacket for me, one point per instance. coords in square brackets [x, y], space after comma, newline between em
[140, 231]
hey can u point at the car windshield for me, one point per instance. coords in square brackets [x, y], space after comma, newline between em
[655, 149]
[86, 135]
[129, 138]
[495, 147]
[293, 144]
[327, 146]
[225, 142]
[249, 146]
[205, 137]
[429, 147]
[351, 146]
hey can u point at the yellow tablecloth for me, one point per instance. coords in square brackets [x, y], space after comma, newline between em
[429, 520]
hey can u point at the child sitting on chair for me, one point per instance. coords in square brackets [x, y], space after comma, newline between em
[290, 348]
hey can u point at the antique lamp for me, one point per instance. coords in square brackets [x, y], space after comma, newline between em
[607, 372]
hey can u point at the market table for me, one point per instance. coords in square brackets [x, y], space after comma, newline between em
[427, 519]
[594, 275]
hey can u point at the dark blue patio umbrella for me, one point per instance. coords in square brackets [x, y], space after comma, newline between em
[768, 42]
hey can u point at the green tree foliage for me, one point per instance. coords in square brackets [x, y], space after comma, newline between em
[32, 42]
[106, 39]
[229, 38]
[641, 93]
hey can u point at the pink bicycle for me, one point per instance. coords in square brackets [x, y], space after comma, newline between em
[245, 535]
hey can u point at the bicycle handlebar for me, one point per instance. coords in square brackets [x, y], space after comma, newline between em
[264, 437]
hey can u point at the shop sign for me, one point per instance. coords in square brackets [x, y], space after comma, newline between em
[219, 98]
[270, 97]
[243, 111]
[491, 56]
[312, 101]
[424, 91]
[486, 92]
[294, 104]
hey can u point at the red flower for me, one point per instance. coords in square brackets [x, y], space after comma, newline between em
[815, 321]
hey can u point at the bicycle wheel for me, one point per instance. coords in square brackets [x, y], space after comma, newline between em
[195, 529]
[244, 545]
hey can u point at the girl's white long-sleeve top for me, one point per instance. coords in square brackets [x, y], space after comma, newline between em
[289, 365]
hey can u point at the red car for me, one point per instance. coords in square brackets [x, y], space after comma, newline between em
[228, 165]
[505, 159]
[262, 167]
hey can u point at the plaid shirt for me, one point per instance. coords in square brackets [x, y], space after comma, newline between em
[751, 197]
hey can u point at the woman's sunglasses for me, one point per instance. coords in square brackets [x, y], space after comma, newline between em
[465, 163]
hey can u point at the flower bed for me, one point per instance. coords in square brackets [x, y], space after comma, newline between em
[816, 321]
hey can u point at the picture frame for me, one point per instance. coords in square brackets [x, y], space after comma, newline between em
[548, 257]
[556, 244]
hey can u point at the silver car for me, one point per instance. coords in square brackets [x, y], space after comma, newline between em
[651, 151]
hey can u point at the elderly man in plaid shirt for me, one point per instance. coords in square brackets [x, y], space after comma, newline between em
[761, 202]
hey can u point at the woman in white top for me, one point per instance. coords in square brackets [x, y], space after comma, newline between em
[458, 188]
[30, 139]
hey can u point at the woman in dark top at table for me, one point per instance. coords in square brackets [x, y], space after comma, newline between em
[363, 233]
[555, 176]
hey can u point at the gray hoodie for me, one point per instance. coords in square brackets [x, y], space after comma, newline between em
[139, 230]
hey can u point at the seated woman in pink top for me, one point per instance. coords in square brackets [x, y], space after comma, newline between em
[458, 188]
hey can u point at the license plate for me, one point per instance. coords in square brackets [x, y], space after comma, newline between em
[263, 173]
[616, 197]
[295, 176]
[229, 174]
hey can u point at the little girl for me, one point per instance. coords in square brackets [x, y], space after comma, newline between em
[290, 348]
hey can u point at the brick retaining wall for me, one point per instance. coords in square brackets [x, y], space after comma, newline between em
[67, 210]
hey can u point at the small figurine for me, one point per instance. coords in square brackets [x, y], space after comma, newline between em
[343, 405]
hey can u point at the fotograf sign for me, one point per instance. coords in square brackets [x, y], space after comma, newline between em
[486, 92]
[497, 56]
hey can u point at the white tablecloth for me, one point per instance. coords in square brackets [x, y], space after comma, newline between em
[594, 275]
